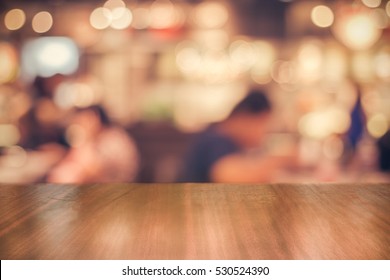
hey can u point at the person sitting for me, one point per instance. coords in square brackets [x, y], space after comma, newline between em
[100, 151]
[220, 153]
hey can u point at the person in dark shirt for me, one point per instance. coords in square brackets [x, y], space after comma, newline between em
[219, 154]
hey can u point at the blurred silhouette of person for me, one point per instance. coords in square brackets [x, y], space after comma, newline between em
[100, 151]
[40, 127]
[220, 153]
[355, 131]
[383, 145]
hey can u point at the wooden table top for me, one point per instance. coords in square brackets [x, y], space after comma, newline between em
[195, 221]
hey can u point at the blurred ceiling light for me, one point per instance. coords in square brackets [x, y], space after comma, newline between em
[141, 18]
[42, 22]
[372, 3]
[14, 19]
[122, 19]
[47, 56]
[8, 63]
[322, 16]
[211, 14]
[377, 125]
[100, 18]
[164, 14]
[356, 29]
[9, 135]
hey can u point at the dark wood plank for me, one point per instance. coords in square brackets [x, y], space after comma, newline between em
[194, 221]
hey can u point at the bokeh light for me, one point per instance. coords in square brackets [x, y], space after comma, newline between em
[121, 18]
[380, 18]
[322, 16]
[382, 64]
[372, 3]
[211, 15]
[100, 18]
[8, 63]
[377, 125]
[14, 19]
[42, 22]
[48, 56]
[310, 58]
[164, 14]
[324, 123]
[357, 30]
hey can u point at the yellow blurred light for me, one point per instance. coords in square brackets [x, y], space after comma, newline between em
[283, 72]
[377, 125]
[14, 19]
[380, 18]
[358, 31]
[260, 71]
[188, 60]
[141, 18]
[163, 14]
[54, 54]
[122, 18]
[310, 60]
[76, 94]
[100, 18]
[322, 16]
[372, 3]
[42, 22]
[382, 64]
[322, 124]
[113, 4]
[211, 14]
[8, 63]
[261, 78]
[9, 135]
[243, 55]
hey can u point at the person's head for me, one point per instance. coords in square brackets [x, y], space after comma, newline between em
[251, 116]
[92, 119]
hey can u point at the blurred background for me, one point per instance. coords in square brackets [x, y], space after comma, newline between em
[164, 70]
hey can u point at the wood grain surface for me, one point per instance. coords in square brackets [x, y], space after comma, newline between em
[195, 221]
